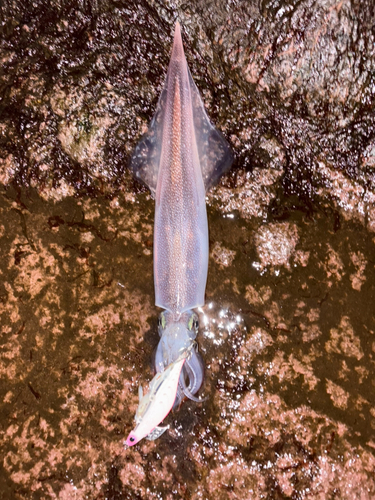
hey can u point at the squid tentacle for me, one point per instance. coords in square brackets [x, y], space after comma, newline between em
[185, 390]
[193, 371]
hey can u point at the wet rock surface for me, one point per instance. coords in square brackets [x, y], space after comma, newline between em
[290, 84]
[288, 344]
[287, 332]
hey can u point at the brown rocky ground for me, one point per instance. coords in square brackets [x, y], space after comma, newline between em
[287, 332]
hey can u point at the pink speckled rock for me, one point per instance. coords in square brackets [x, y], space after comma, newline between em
[287, 332]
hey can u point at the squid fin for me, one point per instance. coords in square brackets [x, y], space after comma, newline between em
[214, 152]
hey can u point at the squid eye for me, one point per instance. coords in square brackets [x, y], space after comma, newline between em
[190, 322]
[162, 321]
[193, 323]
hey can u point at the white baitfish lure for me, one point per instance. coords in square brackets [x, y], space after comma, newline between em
[156, 404]
[179, 158]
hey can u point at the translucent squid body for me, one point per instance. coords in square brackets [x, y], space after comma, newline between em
[179, 158]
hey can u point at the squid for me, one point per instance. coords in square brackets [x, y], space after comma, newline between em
[179, 158]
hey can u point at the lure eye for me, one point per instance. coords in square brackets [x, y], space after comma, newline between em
[132, 439]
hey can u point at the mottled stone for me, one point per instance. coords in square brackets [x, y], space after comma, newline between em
[287, 332]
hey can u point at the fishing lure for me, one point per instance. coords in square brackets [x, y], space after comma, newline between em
[179, 158]
[156, 404]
